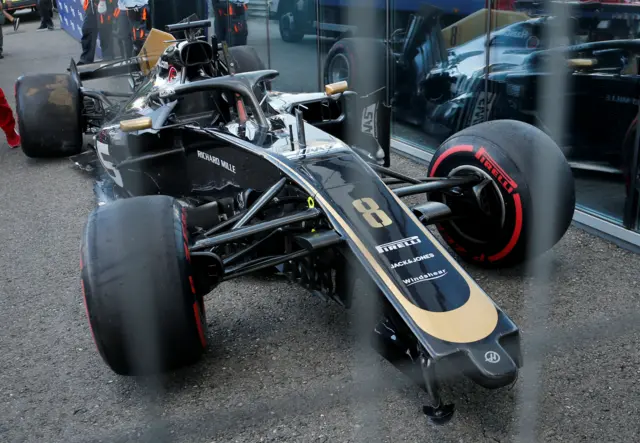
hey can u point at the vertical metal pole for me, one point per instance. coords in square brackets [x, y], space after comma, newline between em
[318, 45]
[388, 62]
[268, 35]
[487, 61]
[630, 216]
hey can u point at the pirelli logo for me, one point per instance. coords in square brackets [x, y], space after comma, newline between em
[398, 244]
[494, 169]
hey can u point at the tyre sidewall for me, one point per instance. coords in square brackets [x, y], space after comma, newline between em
[112, 310]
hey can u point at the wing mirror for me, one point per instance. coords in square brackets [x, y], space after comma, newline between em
[336, 88]
[136, 124]
[582, 62]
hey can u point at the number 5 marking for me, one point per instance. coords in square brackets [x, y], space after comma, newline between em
[372, 213]
[103, 152]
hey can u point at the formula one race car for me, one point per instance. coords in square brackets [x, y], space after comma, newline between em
[443, 90]
[215, 176]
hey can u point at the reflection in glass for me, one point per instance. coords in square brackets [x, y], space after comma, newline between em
[447, 76]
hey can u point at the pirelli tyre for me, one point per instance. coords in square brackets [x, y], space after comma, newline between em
[525, 202]
[49, 109]
[143, 308]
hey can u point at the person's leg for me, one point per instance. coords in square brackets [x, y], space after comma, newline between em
[43, 14]
[89, 37]
[220, 23]
[106, 36]
[50, 14]
[45, 8]
[8, 122]
[140, 27]
[14, 20]
[124, 33]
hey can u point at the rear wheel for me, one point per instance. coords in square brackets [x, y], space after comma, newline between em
[524, 202]
[246, 58]
[360, 62]
[49, 109]
[141, 300]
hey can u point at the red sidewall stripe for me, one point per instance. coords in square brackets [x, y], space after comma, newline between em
[196, 311]
[517, 230]
[196, 307]
[447, 153]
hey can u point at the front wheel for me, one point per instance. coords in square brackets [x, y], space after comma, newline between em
[524, 201]
[144, 311]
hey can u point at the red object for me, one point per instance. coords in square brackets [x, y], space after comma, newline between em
[8, 122]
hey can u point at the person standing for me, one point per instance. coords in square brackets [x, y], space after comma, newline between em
[8, 122]
[45, 8]
[133, 25]
[97, 21]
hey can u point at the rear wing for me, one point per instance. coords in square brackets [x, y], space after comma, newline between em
[156, 43]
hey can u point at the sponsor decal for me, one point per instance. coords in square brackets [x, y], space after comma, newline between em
[163, 64]
[425, 277]
[622, 100]
[216, 161]
[481, 105]
[106, 159]
[494, 169]
[368, 120]
[491, 357]
[398, 244]
[411, 261]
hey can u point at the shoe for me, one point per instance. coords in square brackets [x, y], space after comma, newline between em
[1, 56]
[51, 28]
[41, 28]
[16, 24]
[14, 139]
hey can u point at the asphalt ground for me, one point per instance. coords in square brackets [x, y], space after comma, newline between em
[284, 366]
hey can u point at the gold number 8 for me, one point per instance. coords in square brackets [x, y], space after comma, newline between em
[369, 208]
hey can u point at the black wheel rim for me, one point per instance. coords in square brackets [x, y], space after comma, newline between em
[339, 68]
[483, 207]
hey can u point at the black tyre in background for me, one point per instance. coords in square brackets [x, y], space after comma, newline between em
[49, 110]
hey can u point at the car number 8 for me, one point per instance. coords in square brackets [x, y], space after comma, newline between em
[372, 213]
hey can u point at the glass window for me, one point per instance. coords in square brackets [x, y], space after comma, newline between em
[293, 45]
[438, 62]
[583, 96]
